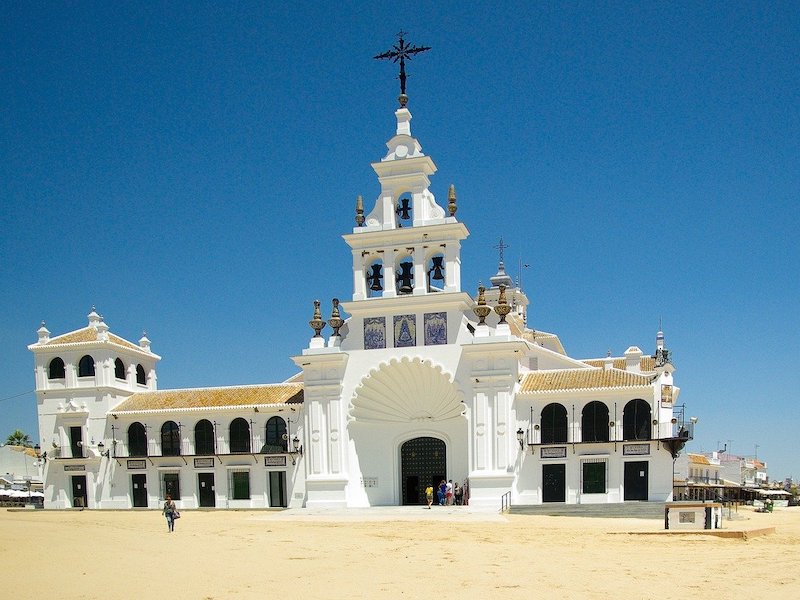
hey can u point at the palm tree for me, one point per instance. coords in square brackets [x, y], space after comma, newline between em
[19, 438]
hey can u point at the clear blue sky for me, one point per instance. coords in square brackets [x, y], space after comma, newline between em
[189, 169]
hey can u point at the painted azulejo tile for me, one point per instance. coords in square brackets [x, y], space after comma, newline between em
[405, 331]
[435, 328]
[374, 333]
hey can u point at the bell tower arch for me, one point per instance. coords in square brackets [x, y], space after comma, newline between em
[407, 244]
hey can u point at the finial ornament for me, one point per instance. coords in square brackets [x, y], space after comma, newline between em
[359, 211]
[316, 323]
[502, 308]
[451, 200]
[335, 321]
[481, 310]
[400, 52]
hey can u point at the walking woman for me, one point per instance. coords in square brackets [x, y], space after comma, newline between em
[170, 511]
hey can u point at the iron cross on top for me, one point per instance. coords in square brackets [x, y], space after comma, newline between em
[401, 52]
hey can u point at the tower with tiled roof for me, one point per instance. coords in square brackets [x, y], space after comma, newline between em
[80, 376]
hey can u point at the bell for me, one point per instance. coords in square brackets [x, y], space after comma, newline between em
[437, 270]
[403, 209]
[405, 276]
[375, 278]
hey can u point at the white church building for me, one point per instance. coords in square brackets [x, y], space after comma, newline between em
[422, 382]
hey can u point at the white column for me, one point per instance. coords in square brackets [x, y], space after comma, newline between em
[420, 276]
[71, 373]
[452, 267]
[388, 210]
[359, 276]
[389, 275]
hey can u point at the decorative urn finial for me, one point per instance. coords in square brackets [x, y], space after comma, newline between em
[335, 321]
[359, 211]
[502, 308]
[451, 200]
[316, 323]
[482, 310]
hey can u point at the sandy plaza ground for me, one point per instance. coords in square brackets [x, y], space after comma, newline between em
[403, 552]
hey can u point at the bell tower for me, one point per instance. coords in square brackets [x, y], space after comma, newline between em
[407, 244]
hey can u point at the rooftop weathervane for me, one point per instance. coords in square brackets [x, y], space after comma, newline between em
[401, 52]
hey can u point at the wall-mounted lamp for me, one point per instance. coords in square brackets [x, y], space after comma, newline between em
[297, 448]
[41, 457]
[101, 449]
[521, 438]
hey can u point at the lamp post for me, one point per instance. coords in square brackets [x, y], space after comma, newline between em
[521, 438]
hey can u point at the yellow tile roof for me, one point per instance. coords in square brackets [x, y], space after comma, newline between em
[89, 334]
[646, 363]
[698, 459]
[220, 397]
[580, 379]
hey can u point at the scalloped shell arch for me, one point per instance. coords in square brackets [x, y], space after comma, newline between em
[407, 390]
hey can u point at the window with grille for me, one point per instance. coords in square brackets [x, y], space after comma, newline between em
[277, 440]
[240, 435]
[554, 424]
[636, 420]
[170, 439]
[594, 422]
[137, 440]
[204, 438]
[239, 485]
[593, 475]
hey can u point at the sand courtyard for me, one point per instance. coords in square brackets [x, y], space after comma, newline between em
[404, 552]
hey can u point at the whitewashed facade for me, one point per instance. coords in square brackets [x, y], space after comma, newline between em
[421, 382]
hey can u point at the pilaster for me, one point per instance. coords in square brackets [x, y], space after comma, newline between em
[325, 426]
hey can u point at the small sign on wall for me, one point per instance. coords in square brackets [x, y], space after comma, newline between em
[137, 464]
[74, 467]
[203, 463]
[559, 452]
[369, 482]
[636, 449]
[274, 461]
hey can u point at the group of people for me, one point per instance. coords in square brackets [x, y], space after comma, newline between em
[447, 494]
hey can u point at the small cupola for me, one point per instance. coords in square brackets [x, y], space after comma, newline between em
[144, 342]
[43, 333]
[633, 359]
[94, 318]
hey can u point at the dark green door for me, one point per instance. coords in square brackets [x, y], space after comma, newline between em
[636, 480]
[205, 485]
[554, 483]
[139, 490]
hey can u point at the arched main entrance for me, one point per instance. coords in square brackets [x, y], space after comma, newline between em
[423, 463]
